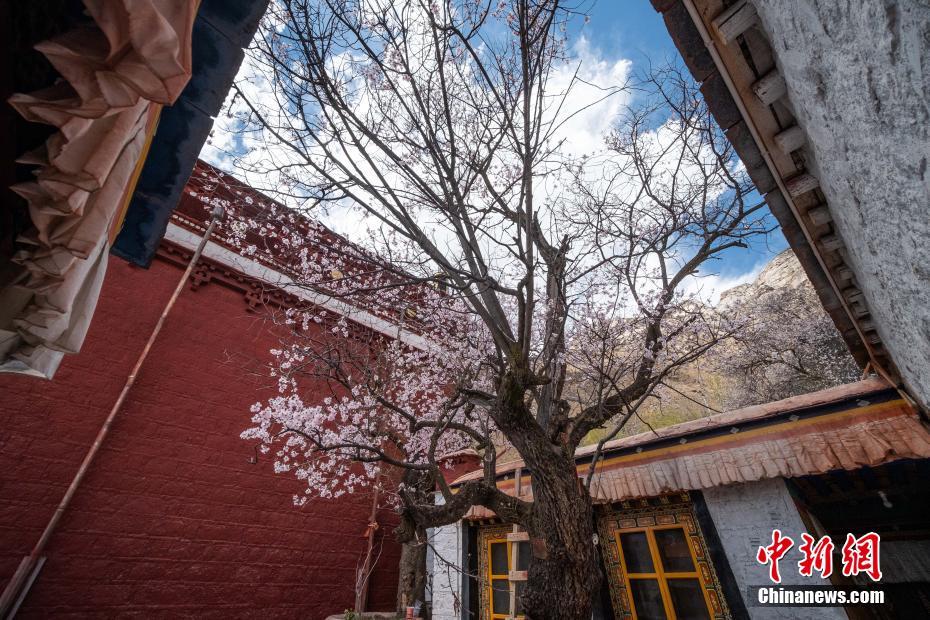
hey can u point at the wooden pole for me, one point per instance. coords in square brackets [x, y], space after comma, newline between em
[515, 547]
[15, 590]
[364, 577]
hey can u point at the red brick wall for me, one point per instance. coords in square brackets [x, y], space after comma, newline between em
[172, 519]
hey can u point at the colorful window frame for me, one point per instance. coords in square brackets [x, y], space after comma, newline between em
[646, 518]
[499, 583]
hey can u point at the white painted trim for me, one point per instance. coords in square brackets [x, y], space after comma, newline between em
[190, 240]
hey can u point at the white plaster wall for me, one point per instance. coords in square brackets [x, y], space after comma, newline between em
[858, 76]
[744, 516]
[446, 571]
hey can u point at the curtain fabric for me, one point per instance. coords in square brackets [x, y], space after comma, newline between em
[136, 56]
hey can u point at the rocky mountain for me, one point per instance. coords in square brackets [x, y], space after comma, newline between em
[781, 273]
[787, 345]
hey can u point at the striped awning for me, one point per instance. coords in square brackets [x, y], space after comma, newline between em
[859, 437]
[864, 424]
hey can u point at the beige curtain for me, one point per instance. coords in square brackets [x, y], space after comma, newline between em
[137, 55]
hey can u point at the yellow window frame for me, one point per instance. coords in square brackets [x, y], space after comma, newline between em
[660, 575]
[491, 575]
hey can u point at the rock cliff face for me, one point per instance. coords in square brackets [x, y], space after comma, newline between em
[787, 346]
[783, 272]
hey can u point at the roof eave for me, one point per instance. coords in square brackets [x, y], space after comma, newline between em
[740, 83]
[868, 391]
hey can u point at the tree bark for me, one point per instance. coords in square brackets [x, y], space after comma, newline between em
[411, 584]
[564, 576]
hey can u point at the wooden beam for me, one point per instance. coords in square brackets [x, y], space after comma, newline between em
[859, 309]
[831, 243]
[801, 184]
[854, 295]
[770, 88]
[844, 273]
[791, 139]
[735, 21]
[856, 302]
[820, 215]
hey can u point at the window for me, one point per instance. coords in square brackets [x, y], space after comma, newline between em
[657, 562]
[505, 561]
[661, 574]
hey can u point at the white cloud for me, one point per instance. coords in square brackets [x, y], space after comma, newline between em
[708, 288]
[255, 157]
[584, 132]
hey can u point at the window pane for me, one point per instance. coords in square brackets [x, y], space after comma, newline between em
[673, 548]
[519, 587]
[636, 552]
[500, 596]
[523, 555]
[499, 559]
[647, 600]
[688, 599]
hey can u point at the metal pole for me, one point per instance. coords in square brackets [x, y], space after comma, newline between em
[26, 572]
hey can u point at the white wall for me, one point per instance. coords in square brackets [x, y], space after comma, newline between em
[446, 571]
[744, 516]
[858, 76]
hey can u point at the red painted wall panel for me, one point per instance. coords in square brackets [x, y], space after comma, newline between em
[172, 519]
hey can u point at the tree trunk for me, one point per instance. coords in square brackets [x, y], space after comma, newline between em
[411, 584]
[564, 576]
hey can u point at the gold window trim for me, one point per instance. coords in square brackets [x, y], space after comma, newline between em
[488, 535]
[650, 515]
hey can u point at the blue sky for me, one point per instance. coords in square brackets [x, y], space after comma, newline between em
[630, 29]
[633, 30]
[618, 30]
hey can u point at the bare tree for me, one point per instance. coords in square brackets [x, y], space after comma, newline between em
[543, 290]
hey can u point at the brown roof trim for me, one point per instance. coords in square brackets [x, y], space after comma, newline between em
[814, 403]
[743, 64]
[873, 389]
